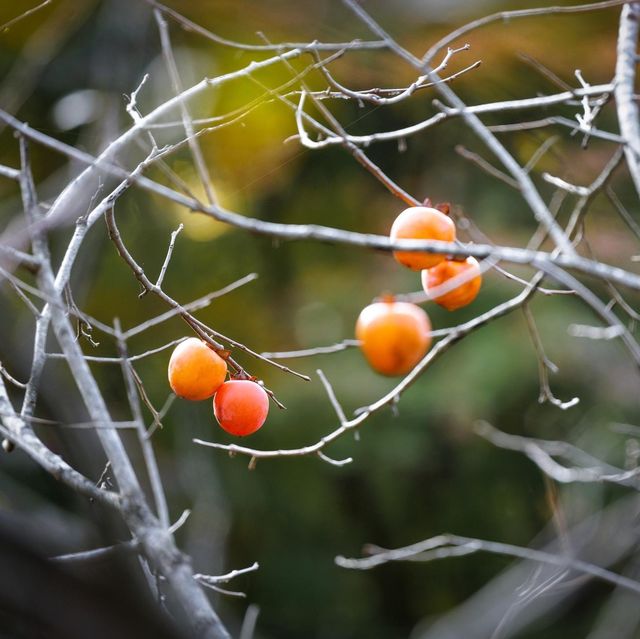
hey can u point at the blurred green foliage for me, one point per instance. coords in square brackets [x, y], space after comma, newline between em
[415, 474]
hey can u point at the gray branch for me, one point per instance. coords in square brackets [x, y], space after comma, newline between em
[624, 90]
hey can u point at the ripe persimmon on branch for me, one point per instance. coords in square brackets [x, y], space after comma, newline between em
[453, 255]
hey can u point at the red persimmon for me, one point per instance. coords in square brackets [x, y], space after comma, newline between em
[241, 406]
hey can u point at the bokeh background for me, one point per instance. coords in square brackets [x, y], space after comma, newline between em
[67, 71]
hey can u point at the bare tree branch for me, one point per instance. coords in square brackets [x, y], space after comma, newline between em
[443, 546]
[624, 89]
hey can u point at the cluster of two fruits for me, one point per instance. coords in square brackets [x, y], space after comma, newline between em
[196, 372]
[395, 336]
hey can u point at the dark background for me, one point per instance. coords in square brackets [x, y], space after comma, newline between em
[414, 475]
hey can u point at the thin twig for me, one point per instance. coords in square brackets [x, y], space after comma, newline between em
[24, 15]
[194, 146]
[148, 453]
[391, 397]
[542, 453]
[545, 365]
[327, 234]
[487, 167]
[167, 259]
[447, 545]
[311, 352]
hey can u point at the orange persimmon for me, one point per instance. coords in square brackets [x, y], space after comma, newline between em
[241, 406]
[394, 336]
[195, 371]
[461, 295]
[421, 223]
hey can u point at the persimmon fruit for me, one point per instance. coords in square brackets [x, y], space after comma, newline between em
[394, 336]
[422, 223]
[241, 406]
[195, 371]
[461, 295]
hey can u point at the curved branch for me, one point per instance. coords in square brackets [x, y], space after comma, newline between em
[65, 203]
[156, 540]
[16, 430]
[512, 15]
[448, 545]
[346, 426]
[526, 185]
[537, 259]
[189, 25]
